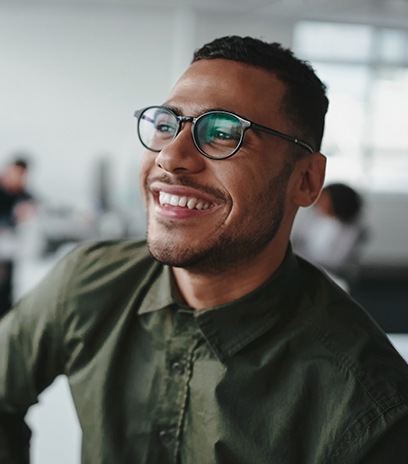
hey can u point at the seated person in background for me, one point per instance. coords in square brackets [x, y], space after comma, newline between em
[330, 233]
[16, 206]
[16, 203]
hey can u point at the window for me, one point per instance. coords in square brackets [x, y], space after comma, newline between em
[366, 71]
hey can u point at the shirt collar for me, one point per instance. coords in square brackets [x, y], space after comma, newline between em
[230, 327]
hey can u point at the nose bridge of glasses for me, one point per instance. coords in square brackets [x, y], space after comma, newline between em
[182, 119]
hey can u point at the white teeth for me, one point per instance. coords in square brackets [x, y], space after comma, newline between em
[191, 203]
[164, 198]
[175, 200]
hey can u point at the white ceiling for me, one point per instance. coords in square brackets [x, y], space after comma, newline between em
[393, 13]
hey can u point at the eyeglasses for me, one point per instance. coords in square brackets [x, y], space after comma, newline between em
[216, 134]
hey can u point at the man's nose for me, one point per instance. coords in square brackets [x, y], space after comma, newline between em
[181, 154]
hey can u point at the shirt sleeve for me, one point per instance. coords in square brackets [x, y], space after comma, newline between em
[31, 357]
[392, 446]
[386, 440]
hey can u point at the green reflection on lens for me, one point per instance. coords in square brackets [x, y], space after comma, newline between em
[218, 133]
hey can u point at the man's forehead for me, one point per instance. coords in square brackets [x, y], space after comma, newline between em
[228, 85]
[219, 69]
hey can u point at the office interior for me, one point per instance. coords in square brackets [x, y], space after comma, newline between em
[74, 71]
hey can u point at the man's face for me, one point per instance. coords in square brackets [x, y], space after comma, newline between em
[14, 178]
[209, 215]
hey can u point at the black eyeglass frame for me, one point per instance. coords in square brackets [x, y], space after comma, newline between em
[245, 123]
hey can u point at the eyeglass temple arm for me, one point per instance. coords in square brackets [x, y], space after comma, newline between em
[282, 136]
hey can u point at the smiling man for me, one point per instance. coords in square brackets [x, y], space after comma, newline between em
[224, 218]
[213, 343]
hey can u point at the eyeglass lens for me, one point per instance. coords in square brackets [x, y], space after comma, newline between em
[157, 127]
[217, 134]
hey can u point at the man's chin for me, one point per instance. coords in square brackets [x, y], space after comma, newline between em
[172, 254]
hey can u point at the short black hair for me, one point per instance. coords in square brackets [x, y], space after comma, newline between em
[346, 202]
[21, 163]
[305, 102]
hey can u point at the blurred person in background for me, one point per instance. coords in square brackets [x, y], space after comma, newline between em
[16, 206]
[331, 232]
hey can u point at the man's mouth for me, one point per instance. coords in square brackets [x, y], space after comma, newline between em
[183, 201]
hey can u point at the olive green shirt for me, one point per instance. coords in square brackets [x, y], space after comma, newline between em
[294, 372]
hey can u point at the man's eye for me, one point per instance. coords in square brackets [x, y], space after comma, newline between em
[222, 135]
[225, 135]
[165, 128]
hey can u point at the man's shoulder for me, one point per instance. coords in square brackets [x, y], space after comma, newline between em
[352, 342]
[95, 276]
[334, 313]
[114, 249]
[105, 261]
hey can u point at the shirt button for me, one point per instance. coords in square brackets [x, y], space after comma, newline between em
[165, 436]
[177, 368]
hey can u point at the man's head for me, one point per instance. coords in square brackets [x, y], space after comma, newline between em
[14, 176]
[209, 215]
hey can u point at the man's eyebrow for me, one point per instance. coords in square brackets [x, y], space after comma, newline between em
[176, 109]
[197, 112]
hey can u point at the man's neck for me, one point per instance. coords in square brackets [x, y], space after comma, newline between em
[206, 290]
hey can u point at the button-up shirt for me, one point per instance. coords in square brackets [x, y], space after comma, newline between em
[293, 373]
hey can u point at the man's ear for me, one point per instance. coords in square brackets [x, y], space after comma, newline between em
[311, 172]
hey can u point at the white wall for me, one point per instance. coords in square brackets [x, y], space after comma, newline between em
[387, 240]
[70, 81]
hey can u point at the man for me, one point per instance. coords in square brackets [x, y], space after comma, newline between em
[13, 192]
[16, 205]
[217, 345]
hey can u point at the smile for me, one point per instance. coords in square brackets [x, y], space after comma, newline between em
[183, 201]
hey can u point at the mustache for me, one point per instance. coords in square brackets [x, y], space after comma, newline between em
[186, 181]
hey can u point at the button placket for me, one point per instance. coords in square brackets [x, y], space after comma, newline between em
[179, 350]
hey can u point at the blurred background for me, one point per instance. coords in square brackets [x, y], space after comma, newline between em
[72, 73]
